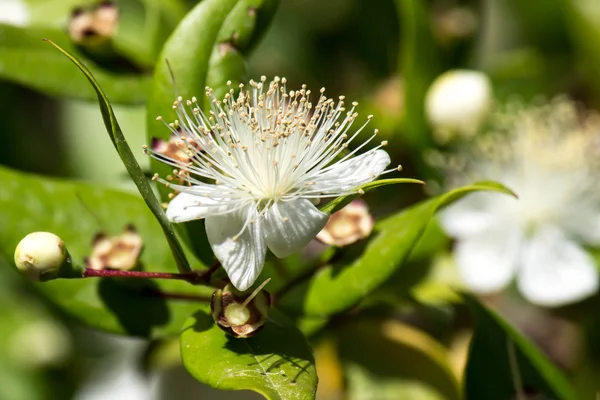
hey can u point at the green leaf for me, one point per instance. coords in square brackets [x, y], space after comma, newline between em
[76, 212]
[277, 362]
[340, 202]
[501, 359]
[27, 60]
[340, 286]
[206, 48]
[136, 173]
[398, 358]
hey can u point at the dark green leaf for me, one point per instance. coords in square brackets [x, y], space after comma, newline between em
[277, 362]
[337, 287]
[398, 357]
[76, 212]
[500, 360]
[26, 59]
[136, 173]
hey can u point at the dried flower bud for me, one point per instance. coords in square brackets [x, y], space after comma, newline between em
[457, 103]
[176, 148]
[95, 26]
[116, 252]
[42, 256]
[455, 23]
[348, 225]
[239, 314]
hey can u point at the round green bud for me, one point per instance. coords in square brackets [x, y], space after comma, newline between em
[41, 256]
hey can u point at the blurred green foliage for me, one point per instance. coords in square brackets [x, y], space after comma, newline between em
[383, 54]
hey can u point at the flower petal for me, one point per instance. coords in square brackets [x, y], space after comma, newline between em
[347, 175]
[474, 214]
[187, 207]
[487, 262]
[556, 270]
[243, 258]
[291, 225]
[584, 224]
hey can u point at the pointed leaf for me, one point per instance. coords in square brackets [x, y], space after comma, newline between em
[501, 358]
[337, 287]
[136, 173]
[340, 202]
[277, 362]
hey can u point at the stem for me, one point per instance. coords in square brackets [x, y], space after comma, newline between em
[289, 285]
[195, 277]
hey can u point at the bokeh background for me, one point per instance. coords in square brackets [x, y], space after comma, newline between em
[367, 51]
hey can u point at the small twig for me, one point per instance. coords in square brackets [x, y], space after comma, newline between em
[289, 285]
[195, 277]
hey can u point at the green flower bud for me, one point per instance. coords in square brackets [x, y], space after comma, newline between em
[240, 314]
[42, 256]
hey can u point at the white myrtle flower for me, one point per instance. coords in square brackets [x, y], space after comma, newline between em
[260, 161]
[549, 156]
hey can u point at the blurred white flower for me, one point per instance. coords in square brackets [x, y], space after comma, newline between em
[117, 374]
[260, 163]
[549, 156]
[14, 12]
[40, 343]
[457, 102]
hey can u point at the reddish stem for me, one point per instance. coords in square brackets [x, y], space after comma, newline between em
[192, 277]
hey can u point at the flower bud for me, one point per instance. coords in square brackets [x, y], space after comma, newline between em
[348, 225]
[42, 256]
[239, 314]
[457, 103]
[116, 252]
[94, 27]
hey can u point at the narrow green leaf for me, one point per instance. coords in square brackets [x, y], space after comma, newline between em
[337, 287]
[277, 362]
[340, 202]
[77, 212]
[25, 59]
[136, 173]
[500, 359]
[206, 48]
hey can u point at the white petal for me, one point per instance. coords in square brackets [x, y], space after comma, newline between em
[556, 270]
[14, 12]
[474, 214]
[353, 172]
[244, 258]
[187, 207]
[585, 225]
[487, 262]
[292, 225]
